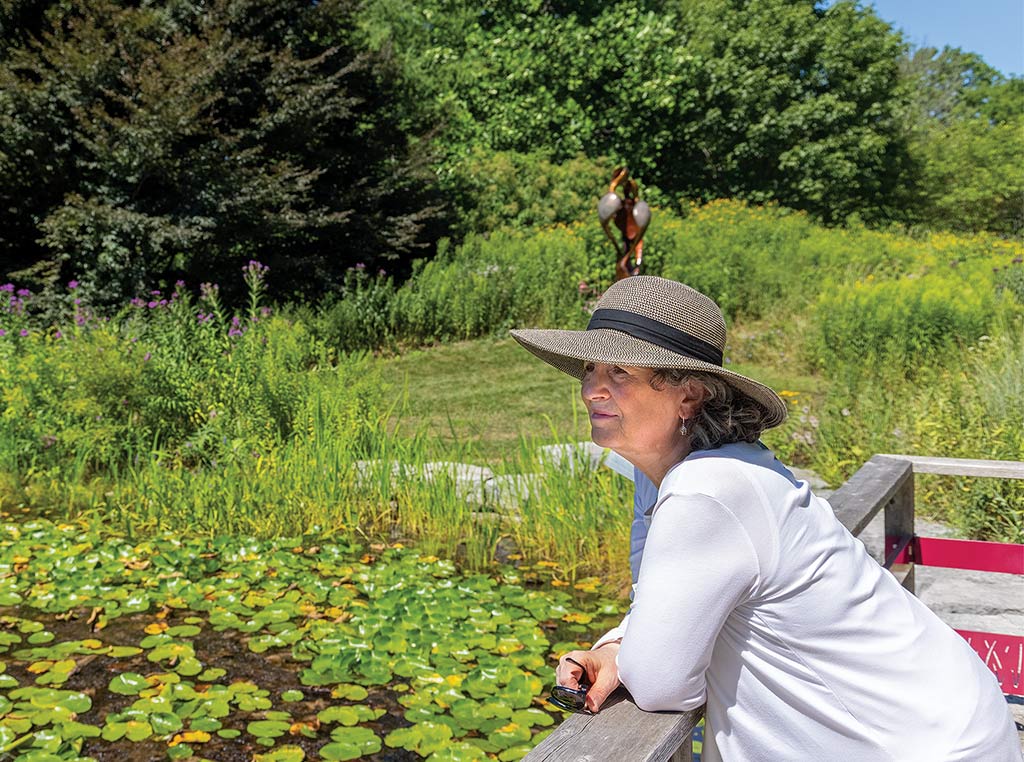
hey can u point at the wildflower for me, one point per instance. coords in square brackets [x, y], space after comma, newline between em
[179, 284]
[136, 302]
[24, 292]
[72, 285]
[146, 357]
[24, 332]
[78, 302]
[58, 335]
[155, 293]
[265, 311]
[9, 287]
[2, 333]
[151, 305]
[360, 265]
[208, 290]
[845, 412]
[583, 287]
[79, 319]
[381, 273]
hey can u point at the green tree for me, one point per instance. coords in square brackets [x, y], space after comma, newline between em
[967, 123]
[763, 99]
[147, 141]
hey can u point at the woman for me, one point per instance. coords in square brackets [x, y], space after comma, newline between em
[752, 597]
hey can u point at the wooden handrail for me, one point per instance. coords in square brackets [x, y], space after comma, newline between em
[1000, 469]
[621, 731]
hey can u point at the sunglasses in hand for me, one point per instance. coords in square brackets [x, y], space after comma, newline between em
[572, 699]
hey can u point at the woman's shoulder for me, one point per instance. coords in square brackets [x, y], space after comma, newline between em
[741, 473]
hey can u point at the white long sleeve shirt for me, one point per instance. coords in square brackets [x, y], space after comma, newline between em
[753, 598]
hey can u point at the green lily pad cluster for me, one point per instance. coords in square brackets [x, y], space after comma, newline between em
[388, 650]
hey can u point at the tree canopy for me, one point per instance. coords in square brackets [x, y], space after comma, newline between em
[139, 141]
[156, 140]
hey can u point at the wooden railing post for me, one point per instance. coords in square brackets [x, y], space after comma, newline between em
[899, 533]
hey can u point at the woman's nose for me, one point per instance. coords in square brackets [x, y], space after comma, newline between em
[594, 386]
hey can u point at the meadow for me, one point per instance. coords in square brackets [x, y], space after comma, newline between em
[178, 477]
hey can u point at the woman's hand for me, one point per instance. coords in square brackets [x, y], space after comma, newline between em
[602, 673]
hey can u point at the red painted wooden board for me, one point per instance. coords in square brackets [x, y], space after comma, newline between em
[1005, 557]
[1003, 654]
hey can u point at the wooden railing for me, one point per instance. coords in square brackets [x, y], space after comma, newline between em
[621, 731]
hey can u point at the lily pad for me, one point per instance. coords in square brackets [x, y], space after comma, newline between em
[350, 743]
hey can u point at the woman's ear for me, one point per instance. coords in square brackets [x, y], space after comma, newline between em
[693, 393]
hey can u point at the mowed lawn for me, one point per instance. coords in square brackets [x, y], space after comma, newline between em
[486, 396]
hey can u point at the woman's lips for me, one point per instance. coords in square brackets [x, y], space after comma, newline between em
[594, 415]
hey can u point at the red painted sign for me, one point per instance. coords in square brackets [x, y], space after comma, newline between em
[1003, 654]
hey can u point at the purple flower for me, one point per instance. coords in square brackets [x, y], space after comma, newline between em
[154, 293]
[23, 292]
[360, 265]
[208, 290]
[235, 321]
[9, 287]
[234, 332]
[58, 335]
[265, 311]
[162, 303]
[136, 302]
[72, 285]
[151, 305]
[78, 302]
[146, 357]
[79, 319]
[179, 284]
[24, 332]
[2, 333]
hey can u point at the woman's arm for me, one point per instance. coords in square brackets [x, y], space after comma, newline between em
[699, 564]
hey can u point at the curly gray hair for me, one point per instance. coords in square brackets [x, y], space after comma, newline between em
[726, 415]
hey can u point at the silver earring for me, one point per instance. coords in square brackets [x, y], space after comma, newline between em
[683, 429]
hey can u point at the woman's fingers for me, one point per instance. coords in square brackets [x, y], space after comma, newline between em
[601, 672]
[569, 670]
[605, 673]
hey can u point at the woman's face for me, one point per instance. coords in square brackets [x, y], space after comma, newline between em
[628, 415]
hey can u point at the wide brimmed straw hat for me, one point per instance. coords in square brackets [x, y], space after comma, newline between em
[650, 322]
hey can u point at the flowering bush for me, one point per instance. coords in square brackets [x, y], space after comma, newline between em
[171, 375]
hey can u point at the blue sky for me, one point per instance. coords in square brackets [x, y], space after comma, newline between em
[992, 28]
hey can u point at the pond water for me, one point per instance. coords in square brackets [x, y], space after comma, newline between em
[241, 649]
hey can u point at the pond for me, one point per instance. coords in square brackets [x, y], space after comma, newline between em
[240, 649]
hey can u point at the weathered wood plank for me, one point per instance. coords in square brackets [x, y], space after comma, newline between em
[1003, 469]
[904, 574]
[618, 732]
[868, 491]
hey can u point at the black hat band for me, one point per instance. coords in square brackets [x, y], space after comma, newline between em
[656, 332]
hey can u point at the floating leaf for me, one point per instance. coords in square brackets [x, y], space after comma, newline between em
[292, 695]
[128, 684]
[350, 743]
[268, 728]
[282, 754]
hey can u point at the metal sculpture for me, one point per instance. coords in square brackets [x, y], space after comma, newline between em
[631, 216]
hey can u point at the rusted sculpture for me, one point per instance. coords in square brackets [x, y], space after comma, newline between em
[631, 216]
